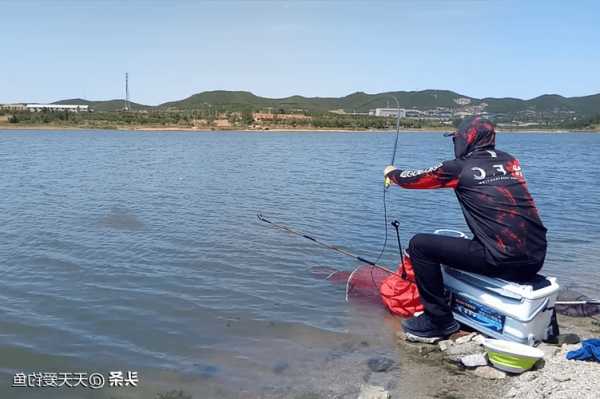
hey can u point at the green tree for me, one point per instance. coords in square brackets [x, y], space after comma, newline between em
[247, 118]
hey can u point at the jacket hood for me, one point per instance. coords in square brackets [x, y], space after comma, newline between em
[474, 133]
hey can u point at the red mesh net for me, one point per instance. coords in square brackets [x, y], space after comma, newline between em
[364, 283]
[396, 291]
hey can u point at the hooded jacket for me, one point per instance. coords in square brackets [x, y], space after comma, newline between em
[493, 195]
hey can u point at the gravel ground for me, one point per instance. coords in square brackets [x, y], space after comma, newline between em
[557, 377]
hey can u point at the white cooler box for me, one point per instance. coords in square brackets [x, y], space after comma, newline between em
[503, 309]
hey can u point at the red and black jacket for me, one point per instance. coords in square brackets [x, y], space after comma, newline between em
[492, 192]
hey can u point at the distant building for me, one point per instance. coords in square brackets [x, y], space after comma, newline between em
[463, 114]
[462, 101]
[262, 116]
[388, 112]
[413, 113]
[438, 113]
[222, 123]
[56, 107]
[292, 117]
[14, 107]
[267, 116]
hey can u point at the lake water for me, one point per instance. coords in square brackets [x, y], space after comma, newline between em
[141, 250]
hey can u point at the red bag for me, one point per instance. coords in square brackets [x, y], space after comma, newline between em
[399, 292]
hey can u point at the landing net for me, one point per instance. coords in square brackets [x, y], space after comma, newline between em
[364, 282]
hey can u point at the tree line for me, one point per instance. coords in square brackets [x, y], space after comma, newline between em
[206, 117]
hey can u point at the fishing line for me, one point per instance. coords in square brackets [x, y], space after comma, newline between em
[385, 212]
[385, 217]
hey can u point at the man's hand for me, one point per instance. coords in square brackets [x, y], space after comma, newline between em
[387, 181]
[388, 169]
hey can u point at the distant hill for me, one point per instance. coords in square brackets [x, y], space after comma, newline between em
[104, 106]
[245, 99]
[362, 102]
[587, 105]
[425, 99]
[359, 102]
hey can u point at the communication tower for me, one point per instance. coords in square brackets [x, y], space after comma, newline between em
[127, 107]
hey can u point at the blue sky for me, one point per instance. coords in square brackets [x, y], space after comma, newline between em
[56, 49]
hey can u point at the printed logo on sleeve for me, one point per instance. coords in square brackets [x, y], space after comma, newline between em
[413, 173]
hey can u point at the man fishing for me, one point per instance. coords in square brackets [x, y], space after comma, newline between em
[509, 239]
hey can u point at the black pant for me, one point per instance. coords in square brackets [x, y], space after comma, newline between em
[428, 251]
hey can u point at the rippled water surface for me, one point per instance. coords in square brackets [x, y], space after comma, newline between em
[142, 250]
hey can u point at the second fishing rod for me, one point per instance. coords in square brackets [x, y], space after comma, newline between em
[330, 246]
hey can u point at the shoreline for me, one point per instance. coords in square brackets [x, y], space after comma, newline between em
[274, 130]
[404, 370]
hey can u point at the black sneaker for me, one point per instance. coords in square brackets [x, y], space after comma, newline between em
[423, 328]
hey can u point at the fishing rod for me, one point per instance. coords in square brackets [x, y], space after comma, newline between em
[387, 181]
[586, 302]
[386, 184]
[397, 129]
[322, 244]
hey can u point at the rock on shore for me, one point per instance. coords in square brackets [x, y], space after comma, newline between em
[555, 377]
[559, 378]
[373, 392]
